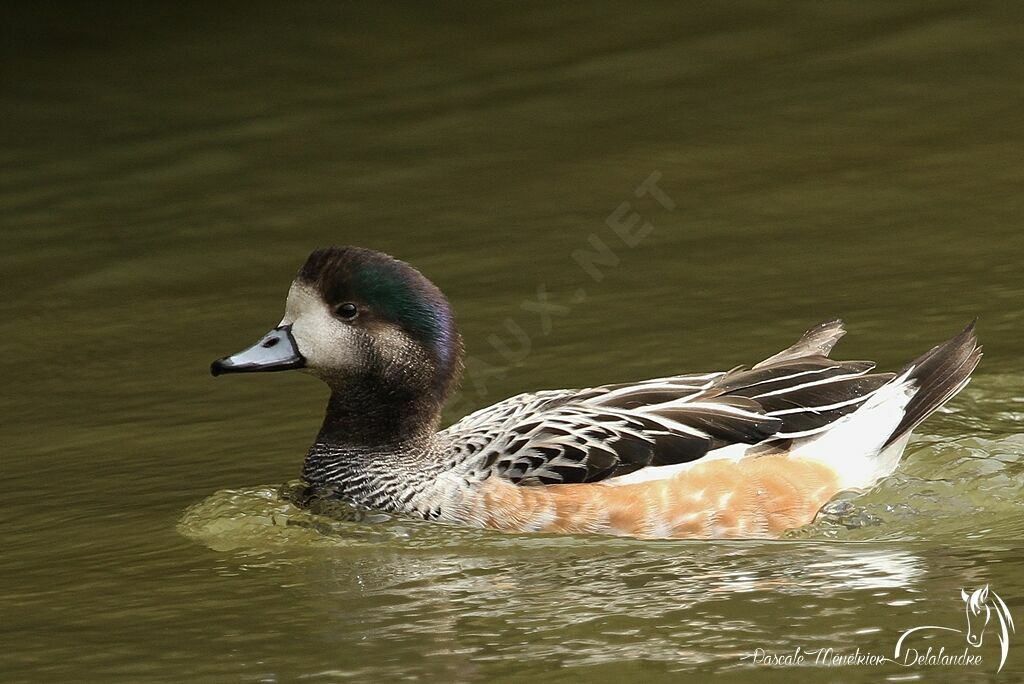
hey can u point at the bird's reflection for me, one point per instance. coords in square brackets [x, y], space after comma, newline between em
[466, 594]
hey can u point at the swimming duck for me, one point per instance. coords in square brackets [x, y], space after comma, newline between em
[749, 452]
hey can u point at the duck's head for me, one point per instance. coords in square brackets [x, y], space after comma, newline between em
[364, 323]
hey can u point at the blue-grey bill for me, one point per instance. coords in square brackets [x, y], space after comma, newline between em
[276, 351]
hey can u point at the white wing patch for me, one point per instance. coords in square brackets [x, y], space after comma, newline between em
[853, 445]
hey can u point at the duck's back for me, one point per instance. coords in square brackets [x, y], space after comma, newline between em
[745, 453]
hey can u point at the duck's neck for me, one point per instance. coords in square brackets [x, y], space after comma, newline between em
[375, 445]
[369, 417]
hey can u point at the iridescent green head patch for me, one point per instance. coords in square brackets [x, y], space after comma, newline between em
[392, 291]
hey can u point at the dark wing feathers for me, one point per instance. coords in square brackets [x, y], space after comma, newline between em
[677, 447]
[575, 445]
[806, 422]
[786, 374]
[603, 432]
[818, 341]
[940, 373]
[748, 424]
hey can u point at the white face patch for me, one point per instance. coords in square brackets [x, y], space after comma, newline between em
[331, 346]
[326, 343]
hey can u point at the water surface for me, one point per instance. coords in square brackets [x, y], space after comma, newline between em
[164, 172]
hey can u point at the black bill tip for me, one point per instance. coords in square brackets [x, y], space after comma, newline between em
[276, 351]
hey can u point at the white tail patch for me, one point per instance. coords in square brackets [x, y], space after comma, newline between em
[852, 447]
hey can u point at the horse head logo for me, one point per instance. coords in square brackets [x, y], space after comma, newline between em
[981, 605]
[978, 614]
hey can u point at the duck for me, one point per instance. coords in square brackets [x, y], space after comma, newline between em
[750, 452]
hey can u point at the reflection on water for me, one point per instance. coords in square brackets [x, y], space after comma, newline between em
[258, 520]
[465, 595]
[853, 579]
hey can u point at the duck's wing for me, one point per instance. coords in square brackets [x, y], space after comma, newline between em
[559, 436]
[574, 436]
[818, 341]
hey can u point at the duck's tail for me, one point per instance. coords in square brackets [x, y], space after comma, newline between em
[938, 376]
[867, 445]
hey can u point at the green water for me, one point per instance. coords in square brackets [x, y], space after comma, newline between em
[165, 170]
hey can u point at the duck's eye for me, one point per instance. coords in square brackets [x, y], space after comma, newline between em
[346, 310]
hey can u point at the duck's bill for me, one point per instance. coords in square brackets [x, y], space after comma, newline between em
[276, 351]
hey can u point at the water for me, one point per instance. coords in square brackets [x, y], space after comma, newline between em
[164, 172]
